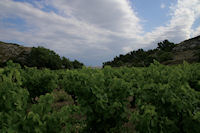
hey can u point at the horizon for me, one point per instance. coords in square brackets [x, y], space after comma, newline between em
[96, 31]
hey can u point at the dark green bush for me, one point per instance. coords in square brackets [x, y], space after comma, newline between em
[39, 82]
[164, 56]
[43, 58]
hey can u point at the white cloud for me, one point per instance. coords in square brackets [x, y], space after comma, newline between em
[162, 6]
[113, 15]
[179, 28]
[196, 32]
[77, 30]
[52, 29]
[93, 31]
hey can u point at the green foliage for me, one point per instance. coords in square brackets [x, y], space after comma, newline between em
[13, 102]
[67, 63]
[164, 56]
[101, 97]
[141, 58]
[38, 82]
[77, 65]
[17, 115]
[11, 73]
[44, 58]
[41, 57]
[158, 98]
[45, 120]
[166, 103]
[13, 99]
[1, 70]
[166, 46]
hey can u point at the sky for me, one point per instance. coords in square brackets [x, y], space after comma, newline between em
[96, 31]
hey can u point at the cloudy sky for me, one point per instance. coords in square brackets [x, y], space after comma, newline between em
[95, 31]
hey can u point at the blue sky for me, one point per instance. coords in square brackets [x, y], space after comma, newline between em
[95, 31]
[154, 13]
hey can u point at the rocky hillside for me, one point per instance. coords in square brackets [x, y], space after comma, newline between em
[166, 53]
[187, 50]
[13, 51]
[39, 57]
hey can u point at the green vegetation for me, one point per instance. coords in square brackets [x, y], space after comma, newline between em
[44, 58]
[158, 98]
[166, 46]
[1, 70]
[198, 53]
[41, 57]
[141, 58]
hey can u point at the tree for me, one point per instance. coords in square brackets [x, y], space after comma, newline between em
[77, 64]
[164, 56]
[44, 58]
[166, 46]
[67, 63]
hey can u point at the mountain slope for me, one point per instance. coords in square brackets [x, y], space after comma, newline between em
[166, 53]
[10, 51]
[35, 57]
[186, 51]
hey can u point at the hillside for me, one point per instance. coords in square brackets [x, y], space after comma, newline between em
[166, 53]
[10, 51]
[187, 50]
[35, 57]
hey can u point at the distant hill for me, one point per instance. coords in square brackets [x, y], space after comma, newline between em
[188, 50]
[11, 50]
[35, 57]
[166, 53]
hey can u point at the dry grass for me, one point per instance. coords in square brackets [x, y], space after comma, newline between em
[61, 98]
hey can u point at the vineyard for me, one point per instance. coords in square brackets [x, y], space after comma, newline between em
[155, 99]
